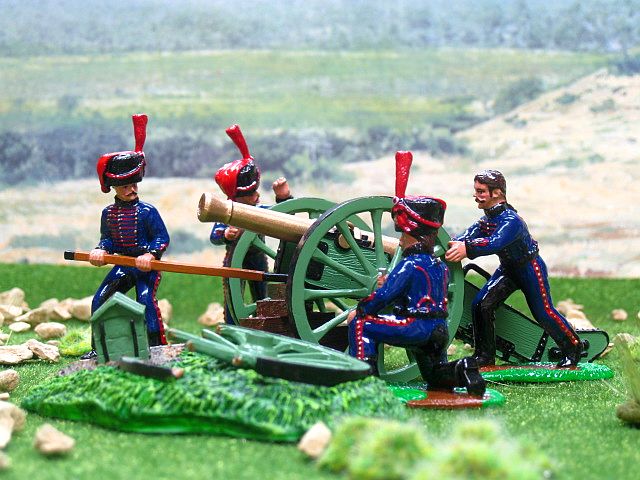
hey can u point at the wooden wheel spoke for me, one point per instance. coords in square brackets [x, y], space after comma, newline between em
[322, 330]
[376, 221]
[263, 247]
[312, 294]
[346, 271]
[346, 233]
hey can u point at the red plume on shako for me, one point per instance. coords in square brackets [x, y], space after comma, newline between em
[123, 168]
[415, 215]
[240, 177]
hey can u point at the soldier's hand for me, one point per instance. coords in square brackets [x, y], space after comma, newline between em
[351, 316]
[96, 257]
[232, 233]
[457, 251]
[143, 262]
[381, 280]
[281, 189]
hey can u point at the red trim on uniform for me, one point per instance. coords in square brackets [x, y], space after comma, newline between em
[547, 306]
[359, 330]
[163, 338]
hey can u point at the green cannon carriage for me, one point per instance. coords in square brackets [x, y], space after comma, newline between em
[333, 253]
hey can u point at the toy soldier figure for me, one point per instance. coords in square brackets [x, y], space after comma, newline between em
[239, 180]
[417, 290]
[503, 232]
[133, 228]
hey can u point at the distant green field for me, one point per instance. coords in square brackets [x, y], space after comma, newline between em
[272, 89]
[573, 423]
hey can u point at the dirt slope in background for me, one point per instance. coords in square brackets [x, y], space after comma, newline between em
[571, 159]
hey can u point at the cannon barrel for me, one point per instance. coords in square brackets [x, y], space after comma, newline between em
[279, 225]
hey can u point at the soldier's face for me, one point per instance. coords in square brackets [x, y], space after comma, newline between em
[252, 199]
[484, 197]
[126, 193]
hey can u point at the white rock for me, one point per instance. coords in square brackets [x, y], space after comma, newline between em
[34, 317]
[50, 441]
[315, 440]
[20, 327]
[5, 396]
[56, 310]
[43, 351]
[9, 380]
[563, 306]
[14, 354]
[12, 419]
[619, 314]
[213, 316]
[5, 463]
[4, 338]
[575, 314]
[1, 319]
[81, 309]
[166, 310]
[10, 312]
[50, 330]
[15, 296]
[55, 343]
[452, 349]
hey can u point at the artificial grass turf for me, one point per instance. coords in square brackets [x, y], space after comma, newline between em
[573, 423]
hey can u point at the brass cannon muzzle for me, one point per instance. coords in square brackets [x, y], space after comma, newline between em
[279, 225]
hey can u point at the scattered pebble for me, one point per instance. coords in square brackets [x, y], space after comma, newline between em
[166, 310]
[12, 419]
[50, 330]
[19, 327]
[5, 396]
[619, 314]
[9, 380]
[314, 442]
[50, 441]
[14, 354]
[5, 463]
[43, 351]
[213, 316]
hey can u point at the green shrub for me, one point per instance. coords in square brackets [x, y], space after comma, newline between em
[517, 93]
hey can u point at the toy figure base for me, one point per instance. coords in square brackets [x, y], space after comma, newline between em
[416, 395]
[545, 372]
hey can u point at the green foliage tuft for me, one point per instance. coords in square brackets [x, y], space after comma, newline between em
[373, 449]
[76, 342]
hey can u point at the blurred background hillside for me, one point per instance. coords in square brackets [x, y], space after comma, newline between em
[326, 91]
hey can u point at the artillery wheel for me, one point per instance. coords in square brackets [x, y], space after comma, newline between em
[234, 288]
[350, 274]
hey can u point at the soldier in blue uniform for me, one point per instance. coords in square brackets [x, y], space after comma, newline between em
[239, 180]
[133, 228]
[417, 290]
[503, 232]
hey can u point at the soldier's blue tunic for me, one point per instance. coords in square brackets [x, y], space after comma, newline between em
[133, 229]
[417, 290]
[501, 231]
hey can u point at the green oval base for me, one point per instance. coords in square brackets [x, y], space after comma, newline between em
[545, 372]
[416, 395]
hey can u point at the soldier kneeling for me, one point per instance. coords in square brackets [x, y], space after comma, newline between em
[417, 290]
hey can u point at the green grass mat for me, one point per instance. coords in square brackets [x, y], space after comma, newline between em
[211, 397]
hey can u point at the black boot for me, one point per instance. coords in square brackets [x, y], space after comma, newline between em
[373, 365]
[154, 339]
[571, 355]
[484, 339]
[469, 376]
